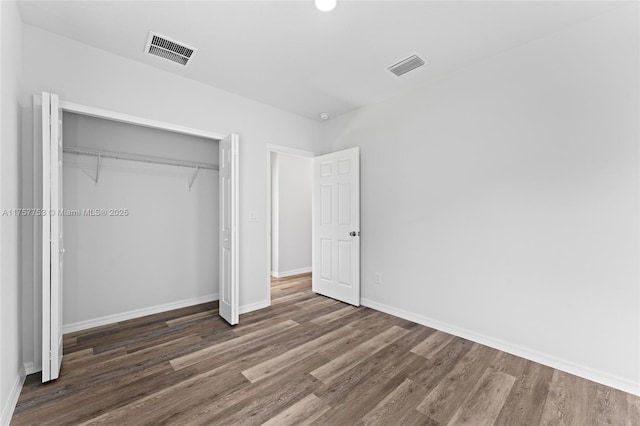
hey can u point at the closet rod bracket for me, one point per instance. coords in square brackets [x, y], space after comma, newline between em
[193, 177]
[98, 167]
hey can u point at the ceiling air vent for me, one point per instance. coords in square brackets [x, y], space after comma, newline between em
[164, 47]
[406, 65]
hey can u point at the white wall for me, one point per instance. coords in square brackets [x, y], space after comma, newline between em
[89, 76]
[11, 374]
[164, 252]
[292, 187]
[502, 202]
[100, 134]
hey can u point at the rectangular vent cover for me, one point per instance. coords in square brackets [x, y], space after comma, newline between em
[172, 50]
[406, 65]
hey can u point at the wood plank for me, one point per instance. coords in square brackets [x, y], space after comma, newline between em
[398, 406]
[483, 405]
[385, 363]
[76, 405]
[443, 401]
[347, 360]
[335, 315]
[272, 346]
[364, 389]
[307, 315]
[201, 329]
[193, 317]
[414, 336]
[256, 403]
[228, 345]
[292, 298]
[112, 366]
[103, 373]
[510, 364]
[316, 302]
[321, 345]
[78, 355]
[435, 370]
[527, 397]
[433, 344]
[85, 406]
[173, 401]
[118, 338]
[567, 402]
[633, 410]
[612, 407]
[257, 320]
[371, 321]
[302, 413]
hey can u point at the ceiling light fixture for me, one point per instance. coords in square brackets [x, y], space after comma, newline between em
[326, 5]
[324, 116]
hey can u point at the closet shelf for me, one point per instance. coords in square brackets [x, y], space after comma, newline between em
[142, 158]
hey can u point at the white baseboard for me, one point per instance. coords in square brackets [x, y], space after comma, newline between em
[110, 319]
[285, 274]
[31, 367]
[254, 306]
[523, 352]
[9, 405]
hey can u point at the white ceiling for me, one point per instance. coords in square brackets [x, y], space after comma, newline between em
[290, 55]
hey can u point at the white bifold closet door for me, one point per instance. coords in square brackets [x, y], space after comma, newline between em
[52, 237]
[229, 279]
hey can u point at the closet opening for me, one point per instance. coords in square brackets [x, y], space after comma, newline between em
[142, 224]
[141, 218]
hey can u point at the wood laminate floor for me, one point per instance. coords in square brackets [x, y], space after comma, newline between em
[305, 360]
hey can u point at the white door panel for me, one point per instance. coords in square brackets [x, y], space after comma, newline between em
[229, 283]
[336, 227]
[52, 237]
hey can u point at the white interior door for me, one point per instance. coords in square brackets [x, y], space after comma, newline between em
[52, 237]
[229, 286]
[336, 226]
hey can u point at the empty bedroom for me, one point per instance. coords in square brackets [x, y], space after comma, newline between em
[331, 212]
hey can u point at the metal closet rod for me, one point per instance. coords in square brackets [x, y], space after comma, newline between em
[142, 158]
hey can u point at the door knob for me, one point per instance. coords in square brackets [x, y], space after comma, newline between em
[354, 233]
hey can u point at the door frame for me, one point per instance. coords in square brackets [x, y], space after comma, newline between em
[279, 149]
[66, 106]
[133, 119]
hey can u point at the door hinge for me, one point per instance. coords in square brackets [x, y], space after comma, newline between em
[50, 356]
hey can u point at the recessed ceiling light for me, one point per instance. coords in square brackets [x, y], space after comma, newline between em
[324, 116]
[326, 5]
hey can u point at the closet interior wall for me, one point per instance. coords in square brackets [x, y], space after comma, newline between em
[157, 246]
